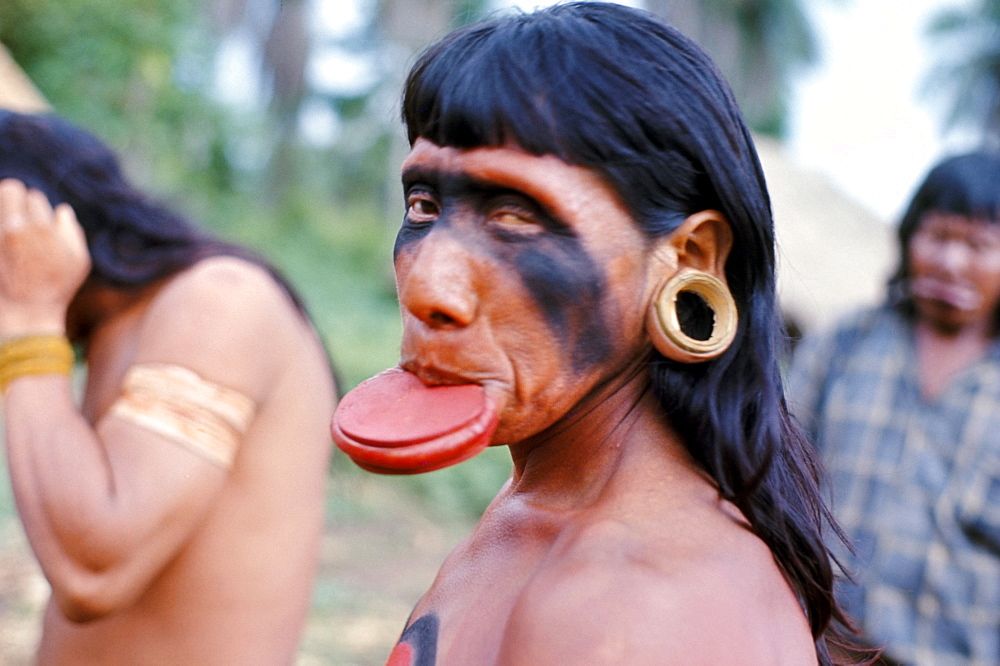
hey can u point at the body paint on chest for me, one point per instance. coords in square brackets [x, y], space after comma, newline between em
[418, 644]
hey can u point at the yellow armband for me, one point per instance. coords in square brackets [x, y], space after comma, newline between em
[34, 355]
[181, 405]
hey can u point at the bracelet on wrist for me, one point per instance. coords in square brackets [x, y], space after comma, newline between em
[34, 355]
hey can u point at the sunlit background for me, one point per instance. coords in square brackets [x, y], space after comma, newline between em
[864, 112]
[275, 123]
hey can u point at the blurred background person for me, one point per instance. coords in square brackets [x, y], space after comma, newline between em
[177, 511]
[904, 403]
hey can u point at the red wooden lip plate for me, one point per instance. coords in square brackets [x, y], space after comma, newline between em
[394, 424]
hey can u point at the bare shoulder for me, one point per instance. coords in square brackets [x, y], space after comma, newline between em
[226, 318]
[612, 596]
[225, 285]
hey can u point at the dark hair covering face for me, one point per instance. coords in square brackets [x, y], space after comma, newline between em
[133, 241]
[616, 90]
[966, 185]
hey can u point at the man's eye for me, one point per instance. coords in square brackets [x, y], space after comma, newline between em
[420, 208]
[984, 242]
[514, 221]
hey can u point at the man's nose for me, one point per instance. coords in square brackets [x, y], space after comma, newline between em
[953, 256]
[438, 286]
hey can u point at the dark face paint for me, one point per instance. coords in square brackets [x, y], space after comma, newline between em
[554, 268]
[523, 274]
[567, 286]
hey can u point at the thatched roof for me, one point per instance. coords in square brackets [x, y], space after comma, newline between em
[834, 255]
[17, 92]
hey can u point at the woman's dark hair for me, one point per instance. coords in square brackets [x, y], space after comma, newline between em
[616, 90]
[966, 185]
[133, 240]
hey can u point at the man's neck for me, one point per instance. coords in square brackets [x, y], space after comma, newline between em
[575, 459]
[944, 354]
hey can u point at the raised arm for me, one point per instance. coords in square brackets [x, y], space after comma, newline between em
[107, 505]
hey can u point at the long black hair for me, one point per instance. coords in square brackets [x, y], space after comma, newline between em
[618, 91]
[134, 241]
[966, 185]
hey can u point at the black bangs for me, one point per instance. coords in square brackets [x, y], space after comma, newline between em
[469, 98]
[487, 86]
[581, 82]
[548, 82]
[964, 185]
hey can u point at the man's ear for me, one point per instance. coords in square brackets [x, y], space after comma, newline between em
[692, 260]
[702, 243]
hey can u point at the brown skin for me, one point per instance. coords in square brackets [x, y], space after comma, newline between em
[608, 545]
[955, 282]
[156, 555]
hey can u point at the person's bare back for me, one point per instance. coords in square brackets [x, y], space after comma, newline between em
[237, 590]
[176, 509]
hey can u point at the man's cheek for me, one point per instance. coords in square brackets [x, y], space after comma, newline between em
[406, 238]
[568, 288]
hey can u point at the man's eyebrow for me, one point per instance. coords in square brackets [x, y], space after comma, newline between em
[418, 173]
[456, 181]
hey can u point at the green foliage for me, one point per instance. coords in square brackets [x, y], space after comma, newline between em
[133, 72]
[966, 72]
[465, 489]
[112, 67]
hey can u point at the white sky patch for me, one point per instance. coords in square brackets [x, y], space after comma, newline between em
[334, 70]
[338, 18]
[235, 78]
[859, 117]
[318, 123]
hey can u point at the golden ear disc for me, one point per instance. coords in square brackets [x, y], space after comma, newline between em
[716, 295]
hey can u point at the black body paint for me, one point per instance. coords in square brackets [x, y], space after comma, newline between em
[555, 269]
[422, 637]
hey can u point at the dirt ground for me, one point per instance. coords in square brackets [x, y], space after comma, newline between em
[381, 550]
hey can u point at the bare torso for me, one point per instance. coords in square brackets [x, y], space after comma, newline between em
[651, 566]
[237, 591]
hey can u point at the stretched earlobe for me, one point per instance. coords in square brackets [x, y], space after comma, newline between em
[664, 326]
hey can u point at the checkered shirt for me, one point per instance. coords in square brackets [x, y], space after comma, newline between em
[915, 484]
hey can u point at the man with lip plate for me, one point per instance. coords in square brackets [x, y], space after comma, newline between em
[585, 271]
[904, 401]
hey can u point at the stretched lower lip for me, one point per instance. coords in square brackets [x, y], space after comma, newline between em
[394, 424]
[954, 296]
